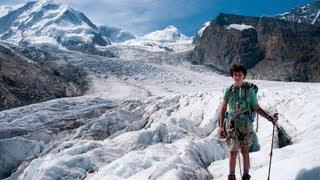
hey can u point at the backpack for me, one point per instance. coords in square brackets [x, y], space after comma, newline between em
[249, 86]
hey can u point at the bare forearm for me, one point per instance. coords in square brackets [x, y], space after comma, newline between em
[261, 112]
[221, 120]
[223, 109]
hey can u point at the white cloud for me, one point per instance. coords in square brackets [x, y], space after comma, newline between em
[137, 16]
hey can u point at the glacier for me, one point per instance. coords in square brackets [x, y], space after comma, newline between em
[152, 116]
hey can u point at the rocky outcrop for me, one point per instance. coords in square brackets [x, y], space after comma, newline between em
[24, 81]
[262, 44]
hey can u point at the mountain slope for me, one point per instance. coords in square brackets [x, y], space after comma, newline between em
[200, 31]
[26, 80]
[309, 14]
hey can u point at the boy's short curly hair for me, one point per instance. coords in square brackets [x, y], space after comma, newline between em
[238, 68]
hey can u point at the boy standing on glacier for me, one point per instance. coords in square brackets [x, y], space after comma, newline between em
[238, 128]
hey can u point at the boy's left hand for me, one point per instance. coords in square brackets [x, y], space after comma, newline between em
[274, 119]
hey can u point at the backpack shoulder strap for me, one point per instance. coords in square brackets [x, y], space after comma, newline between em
[251, 86]
[230, 88]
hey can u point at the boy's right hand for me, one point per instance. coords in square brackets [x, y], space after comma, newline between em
[222, 133]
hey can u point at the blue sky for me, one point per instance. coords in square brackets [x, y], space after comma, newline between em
[143, 16]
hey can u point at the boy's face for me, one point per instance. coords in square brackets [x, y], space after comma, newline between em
[238, 77]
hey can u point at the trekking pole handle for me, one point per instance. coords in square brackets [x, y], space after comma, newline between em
[270, 118]
[275, 115]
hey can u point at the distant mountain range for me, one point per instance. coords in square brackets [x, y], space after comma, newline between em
[52, 23]
[288, 41]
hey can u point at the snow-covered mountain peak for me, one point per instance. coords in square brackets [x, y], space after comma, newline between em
[204, 26]
[167, 39]
[54, 11]
[48, 22]
[309, 14]
[48, 2]
[171, 28]
[45, 6]
[54, 23]
[4, 10]
[169, 34]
